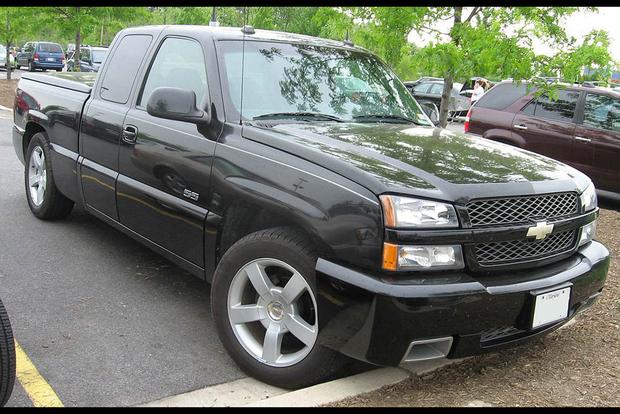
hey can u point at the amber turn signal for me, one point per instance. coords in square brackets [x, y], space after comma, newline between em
[390, 256]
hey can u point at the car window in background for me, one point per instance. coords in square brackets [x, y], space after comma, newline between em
[502, 96]
[560, 109]
[436, 89]
[179, 63]
[123, 68]
[421, 88]
[50, 48]
[85, 54]
[99, 55]
[602, 112]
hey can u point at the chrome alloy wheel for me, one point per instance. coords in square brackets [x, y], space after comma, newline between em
[273, 312]
[37, 176]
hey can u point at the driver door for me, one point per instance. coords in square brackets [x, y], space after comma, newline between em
[165, 165]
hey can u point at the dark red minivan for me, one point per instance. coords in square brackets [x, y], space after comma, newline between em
[580, 128]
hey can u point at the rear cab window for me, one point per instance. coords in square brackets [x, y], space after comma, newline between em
[123, 68]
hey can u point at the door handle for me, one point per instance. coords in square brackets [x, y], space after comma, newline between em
[130, 134]
[582, 139]
[519, 126]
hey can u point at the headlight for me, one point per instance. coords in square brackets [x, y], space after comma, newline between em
[422, 257]
[588, 232]
[405, 212]
[588, 198]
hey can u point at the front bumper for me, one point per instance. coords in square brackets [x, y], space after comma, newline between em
[373, 319]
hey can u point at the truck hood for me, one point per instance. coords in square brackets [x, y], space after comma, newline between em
[404, 158]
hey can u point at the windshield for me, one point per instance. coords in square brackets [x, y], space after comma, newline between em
[282, 78]
[99, 55]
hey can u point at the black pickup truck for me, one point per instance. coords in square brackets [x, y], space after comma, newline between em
[300, 178]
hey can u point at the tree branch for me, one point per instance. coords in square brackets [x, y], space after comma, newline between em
[62, 11]
[474, 12]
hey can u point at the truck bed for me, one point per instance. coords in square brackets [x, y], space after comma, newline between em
[76, 81]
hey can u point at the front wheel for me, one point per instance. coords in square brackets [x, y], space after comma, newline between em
[45, 200]
[263, 301]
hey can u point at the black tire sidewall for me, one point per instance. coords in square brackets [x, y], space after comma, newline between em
[50, 197]
[7, 357]
[241, 253]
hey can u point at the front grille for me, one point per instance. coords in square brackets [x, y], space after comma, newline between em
[521, 209]
[515, 251]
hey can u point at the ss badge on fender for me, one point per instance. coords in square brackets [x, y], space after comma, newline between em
[190, 194]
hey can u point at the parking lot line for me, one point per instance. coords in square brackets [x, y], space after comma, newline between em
[38, 390]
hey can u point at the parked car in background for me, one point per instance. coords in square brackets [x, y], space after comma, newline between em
[3, 58]
[91, 58]
[468, 87]
[430, 90]
[580, 128]
[41, 55]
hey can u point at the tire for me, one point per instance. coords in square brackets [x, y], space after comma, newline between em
[314, 363]
[7, 357]
[49, 203]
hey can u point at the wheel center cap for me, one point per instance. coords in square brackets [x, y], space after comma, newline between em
[275, 311]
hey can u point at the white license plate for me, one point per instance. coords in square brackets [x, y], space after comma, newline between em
[50, 59]
[551, 307]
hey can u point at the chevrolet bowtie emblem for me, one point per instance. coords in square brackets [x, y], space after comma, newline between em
[540, 230]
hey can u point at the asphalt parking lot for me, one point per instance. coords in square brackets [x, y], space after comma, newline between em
[104, 320]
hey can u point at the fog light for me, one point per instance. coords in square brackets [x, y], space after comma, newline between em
[588, 232]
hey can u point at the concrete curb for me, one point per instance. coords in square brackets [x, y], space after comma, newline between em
[336, 390]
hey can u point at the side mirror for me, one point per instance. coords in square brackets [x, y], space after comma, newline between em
[177, 104]
[431, 110]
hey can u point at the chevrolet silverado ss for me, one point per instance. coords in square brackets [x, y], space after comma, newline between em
[300, 179]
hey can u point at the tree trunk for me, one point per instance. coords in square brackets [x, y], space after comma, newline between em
[78, 42]
[448, 79]
[8, 47]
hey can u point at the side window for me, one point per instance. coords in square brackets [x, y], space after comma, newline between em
[85, 54]
[436, 89]
[123, 67]
[562, 109]
[602, 112]
[179, 63]
[421, 88]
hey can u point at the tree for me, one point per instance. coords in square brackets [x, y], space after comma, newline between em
[14, 22]
[494, 40]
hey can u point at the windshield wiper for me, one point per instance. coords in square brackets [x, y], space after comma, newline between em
[315, 115]
[378, 117]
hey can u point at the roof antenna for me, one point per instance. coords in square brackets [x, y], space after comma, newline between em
[346, 39]
[213, 21]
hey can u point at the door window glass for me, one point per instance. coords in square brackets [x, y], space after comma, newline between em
[602, 112]
[123, 67]
[85, 54]
[562, 109]
[421, 88]
[180, 64]
[436, 89]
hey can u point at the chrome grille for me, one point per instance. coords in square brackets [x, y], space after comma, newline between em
[521, 209]
[515, 251]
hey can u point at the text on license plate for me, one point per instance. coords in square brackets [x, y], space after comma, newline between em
[551, 307]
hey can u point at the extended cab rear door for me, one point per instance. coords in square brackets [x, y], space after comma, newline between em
[102, 122]
[163, 189]
[547, 126]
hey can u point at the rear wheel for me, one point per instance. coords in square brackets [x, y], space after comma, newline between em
[263, 300]
[44, 198]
